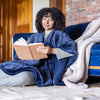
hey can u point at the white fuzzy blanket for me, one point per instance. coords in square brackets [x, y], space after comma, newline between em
[49, 93]
[77, 73]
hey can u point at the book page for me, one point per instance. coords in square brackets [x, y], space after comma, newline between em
[35, 44]
[21, 41]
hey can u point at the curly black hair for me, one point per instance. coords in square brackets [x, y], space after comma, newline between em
[57, 16]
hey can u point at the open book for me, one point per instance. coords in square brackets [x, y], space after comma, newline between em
[27, 51]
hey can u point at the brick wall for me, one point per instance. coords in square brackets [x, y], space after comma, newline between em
[80, 11]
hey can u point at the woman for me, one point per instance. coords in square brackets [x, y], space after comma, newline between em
[61, 51]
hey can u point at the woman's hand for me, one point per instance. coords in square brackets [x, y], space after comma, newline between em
[46, 50]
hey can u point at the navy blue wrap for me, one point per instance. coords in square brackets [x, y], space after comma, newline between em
[47, 71]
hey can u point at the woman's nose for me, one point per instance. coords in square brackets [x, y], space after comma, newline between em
[47, 20]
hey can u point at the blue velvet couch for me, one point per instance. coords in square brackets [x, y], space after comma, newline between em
[75, 31]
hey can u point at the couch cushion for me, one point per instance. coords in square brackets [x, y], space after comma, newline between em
[19, 35]
[95, 55]
[94, 64]
[95, 49]
[75, 31]
[94, 72]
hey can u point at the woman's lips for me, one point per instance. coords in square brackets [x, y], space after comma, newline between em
[46, 25]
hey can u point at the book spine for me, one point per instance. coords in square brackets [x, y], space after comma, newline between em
[30, 52]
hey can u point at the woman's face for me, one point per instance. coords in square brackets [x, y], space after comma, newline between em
[47, 22]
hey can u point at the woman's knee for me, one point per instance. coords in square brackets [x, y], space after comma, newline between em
[25, 78]
[20, 79]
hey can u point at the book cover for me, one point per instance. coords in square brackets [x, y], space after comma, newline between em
[28, 51]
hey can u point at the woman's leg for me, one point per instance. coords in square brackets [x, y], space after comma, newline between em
[20, 79]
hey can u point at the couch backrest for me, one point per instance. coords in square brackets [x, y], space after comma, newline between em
[75, 31]
[16, 37]
[19, 35]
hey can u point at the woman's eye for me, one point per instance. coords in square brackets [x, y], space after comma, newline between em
[51, 19]
[44, 18]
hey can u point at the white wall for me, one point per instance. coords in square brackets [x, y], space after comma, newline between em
[37, 5]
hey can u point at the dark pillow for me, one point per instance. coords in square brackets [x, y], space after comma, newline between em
[75, 31]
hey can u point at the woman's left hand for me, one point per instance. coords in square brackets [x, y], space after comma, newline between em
[46, 50]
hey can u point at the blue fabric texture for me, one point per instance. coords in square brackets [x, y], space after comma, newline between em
[46, 71]
[95, 60]
[94, 72]
[95, 55]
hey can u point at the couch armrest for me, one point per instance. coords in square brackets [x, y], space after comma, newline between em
[75, 31]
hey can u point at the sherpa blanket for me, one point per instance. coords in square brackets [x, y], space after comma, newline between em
[77, 73]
